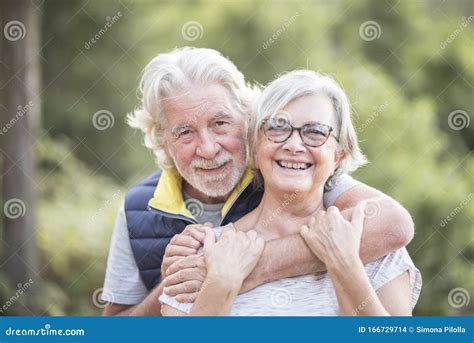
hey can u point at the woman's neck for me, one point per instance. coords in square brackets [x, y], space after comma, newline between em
[280, 215]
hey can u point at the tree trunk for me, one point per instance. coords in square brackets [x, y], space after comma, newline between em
[20, 112]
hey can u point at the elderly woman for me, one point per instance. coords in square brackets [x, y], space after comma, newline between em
[303, 140]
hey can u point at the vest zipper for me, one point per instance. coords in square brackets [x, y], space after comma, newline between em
[175, 216]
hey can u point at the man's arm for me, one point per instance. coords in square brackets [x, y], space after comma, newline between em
[180, 246]
[123, 285]
[388, 226]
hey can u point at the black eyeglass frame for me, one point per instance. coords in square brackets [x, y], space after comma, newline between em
[298, 129]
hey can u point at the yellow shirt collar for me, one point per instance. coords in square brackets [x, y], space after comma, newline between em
[168, 195]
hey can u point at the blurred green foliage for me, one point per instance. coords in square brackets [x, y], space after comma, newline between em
[403, 86]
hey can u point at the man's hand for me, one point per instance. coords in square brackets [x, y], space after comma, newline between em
[184, 278]
[235, 251]
[185, 244]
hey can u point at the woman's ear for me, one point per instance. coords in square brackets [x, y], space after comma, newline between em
[254, 157]
[339, 157]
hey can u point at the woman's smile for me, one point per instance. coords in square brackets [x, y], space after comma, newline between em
[293, 167]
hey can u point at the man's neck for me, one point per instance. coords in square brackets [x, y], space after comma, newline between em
[205, 199]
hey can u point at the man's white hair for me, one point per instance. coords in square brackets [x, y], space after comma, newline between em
[170, 72]
[298, 83]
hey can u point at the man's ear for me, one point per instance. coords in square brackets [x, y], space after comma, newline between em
[164, 144]
[166, 150]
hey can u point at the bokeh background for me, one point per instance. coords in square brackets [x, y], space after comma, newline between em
[70, 71]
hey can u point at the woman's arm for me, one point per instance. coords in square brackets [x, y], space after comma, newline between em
[228, 263]
[357, 297]
[388, 228]
[215, 299]
[337, 242]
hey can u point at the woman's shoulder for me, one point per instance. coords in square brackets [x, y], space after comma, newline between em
[387, 268]
[394, 260]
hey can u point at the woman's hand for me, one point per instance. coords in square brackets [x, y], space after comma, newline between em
[233, 256]
[185, 244]
[334, 240]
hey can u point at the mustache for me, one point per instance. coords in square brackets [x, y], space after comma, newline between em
[216, 162]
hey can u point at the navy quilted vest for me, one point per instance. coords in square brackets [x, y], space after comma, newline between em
[150, 229]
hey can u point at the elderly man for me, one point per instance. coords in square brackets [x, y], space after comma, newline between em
[195, 111]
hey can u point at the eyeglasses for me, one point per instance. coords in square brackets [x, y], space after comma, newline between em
[313, 134]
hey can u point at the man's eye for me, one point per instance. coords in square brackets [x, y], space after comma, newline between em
[221, 123]
[182, 133]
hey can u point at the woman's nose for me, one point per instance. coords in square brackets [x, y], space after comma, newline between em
[208, 147]
[294, 143]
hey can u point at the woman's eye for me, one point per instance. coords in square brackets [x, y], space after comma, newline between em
[277, 128]
[279, 124]
[316, 132]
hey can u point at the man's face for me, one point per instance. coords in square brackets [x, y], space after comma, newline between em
[205, 137]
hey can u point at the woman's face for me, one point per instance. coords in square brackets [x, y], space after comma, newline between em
[291, 166]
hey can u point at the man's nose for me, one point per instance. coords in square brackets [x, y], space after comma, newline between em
[294, 143]
[208, 147]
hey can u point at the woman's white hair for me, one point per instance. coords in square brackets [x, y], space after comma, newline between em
[298, 83]
[173, 71]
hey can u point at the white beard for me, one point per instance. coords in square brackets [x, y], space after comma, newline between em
[214, 186]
